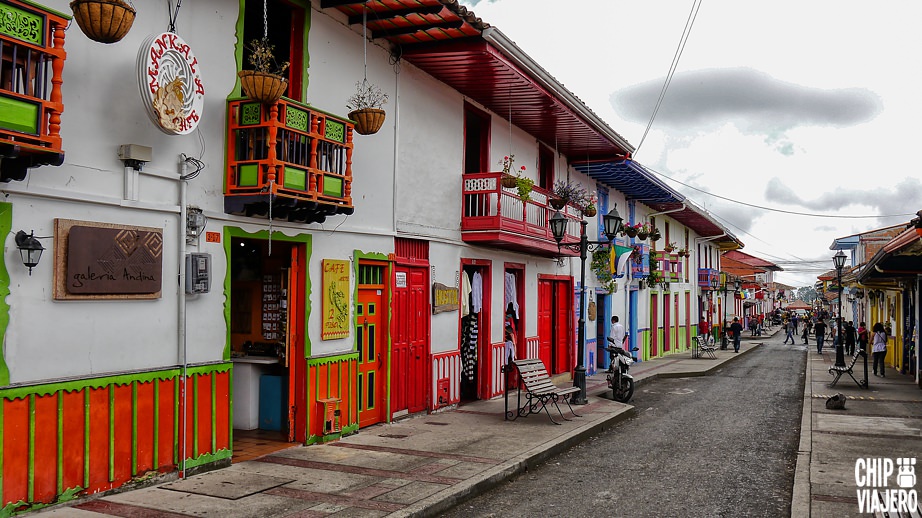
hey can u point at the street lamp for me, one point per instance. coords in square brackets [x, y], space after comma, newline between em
[612, 223]
[736, 287]
[839, 261]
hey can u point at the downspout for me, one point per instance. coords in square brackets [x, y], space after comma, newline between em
[396, 148]
[181, 305]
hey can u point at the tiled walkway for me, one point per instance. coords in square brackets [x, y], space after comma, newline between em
[250, 444]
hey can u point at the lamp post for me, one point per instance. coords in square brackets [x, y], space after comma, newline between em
[839, 261]
[736, 287]
[612, 223]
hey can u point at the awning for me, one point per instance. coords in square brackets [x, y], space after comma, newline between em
[901, 258]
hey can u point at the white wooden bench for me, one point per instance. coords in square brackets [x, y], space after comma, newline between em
[539, 391]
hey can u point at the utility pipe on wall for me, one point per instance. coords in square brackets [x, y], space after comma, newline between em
[181, 305]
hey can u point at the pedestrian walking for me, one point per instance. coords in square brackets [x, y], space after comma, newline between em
[704, 330]
[850, 336]
[879, 348]
[789, 329]
[736, 329]
[796, 320]
[819, 330]
[863, 337]
[805, 333]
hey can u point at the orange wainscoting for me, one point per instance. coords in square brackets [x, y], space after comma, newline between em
[332, 378]
[70, 439]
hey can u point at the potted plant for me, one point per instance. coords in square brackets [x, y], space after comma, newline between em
[601, 266]
[643, 230]
[365, 107]
[683, 252]
[669, 247]
[565, 192]
[105, 21]
[509, 180]
[524, 186]
[589, 210]
[264, 82]
[629, 230]
[655, 235]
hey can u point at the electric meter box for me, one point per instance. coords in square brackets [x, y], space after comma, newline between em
[198, 273]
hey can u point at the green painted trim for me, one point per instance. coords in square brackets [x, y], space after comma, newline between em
[156, 463]
[325, 360]
[47, 389]
[111, 433]
[31, 483]
[134, 429]
[46, 9]
[207, 458]
[22, 507]
[60, 460]
[6, 224]
[86, 438]
[377, 256]
[230, 409]
[235, 232]
[214, 414]
[19, 115]
[24, 20]
[194, 415]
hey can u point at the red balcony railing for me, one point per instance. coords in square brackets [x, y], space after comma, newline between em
[31, 101]
[708, 278]
[496, 216]
[299, 155]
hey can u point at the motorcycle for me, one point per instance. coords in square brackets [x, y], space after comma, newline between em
[620, 382]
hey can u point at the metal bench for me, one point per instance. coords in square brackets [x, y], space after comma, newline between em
[704, 348]
[838, 371]
[539, 391]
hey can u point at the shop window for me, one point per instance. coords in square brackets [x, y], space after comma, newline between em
[285, 26]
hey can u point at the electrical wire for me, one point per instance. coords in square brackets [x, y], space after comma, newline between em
[692, 15]
[770, 209]
[199, 165]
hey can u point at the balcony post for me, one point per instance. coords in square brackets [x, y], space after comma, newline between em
[56, 105]
[273, 135]
[315, 128]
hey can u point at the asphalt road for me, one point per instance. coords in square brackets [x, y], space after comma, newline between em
[719, 445]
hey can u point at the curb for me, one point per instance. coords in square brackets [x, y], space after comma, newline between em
[450, 497]
[801, 492]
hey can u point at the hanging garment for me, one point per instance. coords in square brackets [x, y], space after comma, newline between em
[469, 336]
[465, 294]
[511, 293]
[476, 293]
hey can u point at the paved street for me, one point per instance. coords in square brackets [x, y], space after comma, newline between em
[695, 447]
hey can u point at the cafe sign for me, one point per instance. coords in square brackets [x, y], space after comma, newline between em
[170, 81]
[335, 302]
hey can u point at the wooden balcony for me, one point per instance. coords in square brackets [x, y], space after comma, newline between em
[708, 279]
[31, 69]
[495, 216]
[668, 265]
[287, 161]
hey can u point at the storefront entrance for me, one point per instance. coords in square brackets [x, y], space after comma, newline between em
[371, 319]
[267, 308]
[555, 324]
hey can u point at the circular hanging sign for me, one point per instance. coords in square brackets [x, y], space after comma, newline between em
[170, 83]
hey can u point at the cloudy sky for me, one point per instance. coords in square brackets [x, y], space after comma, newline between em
[809, 109]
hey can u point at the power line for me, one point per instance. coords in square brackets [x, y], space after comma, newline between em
[696, 4]
[770, 209]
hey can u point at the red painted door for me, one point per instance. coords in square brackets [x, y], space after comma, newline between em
[654, 325]
[297, 383]
[410, 344]
[370, 319]
[545, 320]
[667, 323]
[563, 320]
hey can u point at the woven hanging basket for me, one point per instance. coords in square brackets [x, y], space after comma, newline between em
[557, 203]
[509, 181]
[105, 21]
[367, 120]
[262, 86]
[589, 212]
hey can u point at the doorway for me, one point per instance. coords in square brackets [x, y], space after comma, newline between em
[474, 341]
[371, 318]
[267, 308]
[555, 323]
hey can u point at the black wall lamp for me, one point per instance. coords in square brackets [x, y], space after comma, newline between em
[29, 248]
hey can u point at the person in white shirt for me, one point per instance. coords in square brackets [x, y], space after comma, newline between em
[616, 335]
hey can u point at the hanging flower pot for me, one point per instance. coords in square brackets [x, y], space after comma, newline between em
[557, 203]
[655, 235]
[367, 120]
[509, 181]
[630, 231]
[641, 235]
[105, 21]
[589, 211]
[262, 86]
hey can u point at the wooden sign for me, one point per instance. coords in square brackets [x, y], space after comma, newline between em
[335, 307]
[170, 79]
[444, 298]
[101, 260]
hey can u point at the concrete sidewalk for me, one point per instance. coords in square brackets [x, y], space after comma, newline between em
[425, 464]
[883, 421]
[413, 467]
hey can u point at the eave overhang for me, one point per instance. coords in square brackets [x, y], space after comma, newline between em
[901, 258]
